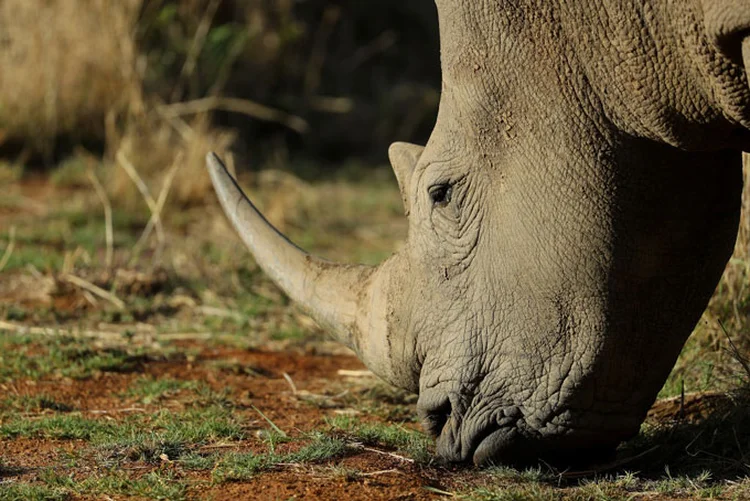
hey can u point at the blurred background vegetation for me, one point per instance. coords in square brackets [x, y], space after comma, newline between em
[300, 82]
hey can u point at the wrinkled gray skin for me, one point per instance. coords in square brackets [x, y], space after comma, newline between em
[569, 219]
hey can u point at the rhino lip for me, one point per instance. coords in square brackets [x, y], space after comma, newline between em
[510, 446]
[500, 445]
[496, 437]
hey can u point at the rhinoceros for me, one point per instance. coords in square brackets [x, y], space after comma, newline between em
[569, 218]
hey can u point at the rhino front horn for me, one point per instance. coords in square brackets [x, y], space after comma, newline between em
[340, 297]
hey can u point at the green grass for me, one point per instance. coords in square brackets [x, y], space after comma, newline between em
[234, 467]
[149, 390]
[170, 434]
[23, 491]
[509, 486]
[413, 444]
[36, 403]
[137, 437]
[43, 244]
[23, 356]
[63, 427]
[696, 368]
[152, 485]
[292, 334]
[71, 173]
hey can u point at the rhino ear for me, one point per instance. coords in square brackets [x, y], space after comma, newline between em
[727, 24]
[404, 157]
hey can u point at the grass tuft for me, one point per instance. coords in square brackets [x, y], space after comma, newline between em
[23, 491]
[152, 485]
[65, 427]
[414, 444]
[235, 466]
[150, 390]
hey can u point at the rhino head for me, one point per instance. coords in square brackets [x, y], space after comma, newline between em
[568, 220]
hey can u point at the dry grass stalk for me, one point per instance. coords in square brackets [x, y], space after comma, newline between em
[212, 311]
[235, 105]
[113, 338]
[98, 291]
[384, 453]
[155, 218]
[9, 248]
[123, 161]
[196, 46]
[157, 141]
[290, 381]
[270, 423]
[71, 259]
[352, 373]
[108, 231]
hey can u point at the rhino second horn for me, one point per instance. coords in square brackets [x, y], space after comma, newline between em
[330, 292]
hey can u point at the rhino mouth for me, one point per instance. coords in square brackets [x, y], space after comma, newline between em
[510, 439]
[508, 446]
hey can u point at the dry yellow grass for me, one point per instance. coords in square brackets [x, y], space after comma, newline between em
[77, 71]
[730, 300]
[66, 64]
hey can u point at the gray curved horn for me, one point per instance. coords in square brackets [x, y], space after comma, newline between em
[330, 292]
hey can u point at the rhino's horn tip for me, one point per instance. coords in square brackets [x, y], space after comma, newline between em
[213, 161]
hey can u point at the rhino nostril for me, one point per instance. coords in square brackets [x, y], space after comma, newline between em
[435, 419]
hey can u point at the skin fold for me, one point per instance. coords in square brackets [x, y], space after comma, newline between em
[569, 219]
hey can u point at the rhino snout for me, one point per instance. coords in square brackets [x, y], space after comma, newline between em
[484, 436]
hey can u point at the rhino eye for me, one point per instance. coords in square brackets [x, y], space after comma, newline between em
[440, 194]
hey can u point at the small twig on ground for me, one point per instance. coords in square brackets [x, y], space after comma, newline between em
[90, 298]
[235, 105]
[9, 248]
[219, 446]
[54, 331]
[291, 383]
[98, 291]
[357, 445]
[115, 338]
[381, 472]
[349, 373]
[440, 492]
[212, 311]
[108, 231]
[347, 412]
[115, 411]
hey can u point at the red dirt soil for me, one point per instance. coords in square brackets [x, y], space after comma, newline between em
[377, 474]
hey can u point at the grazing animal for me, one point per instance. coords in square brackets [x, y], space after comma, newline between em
[569, 219]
